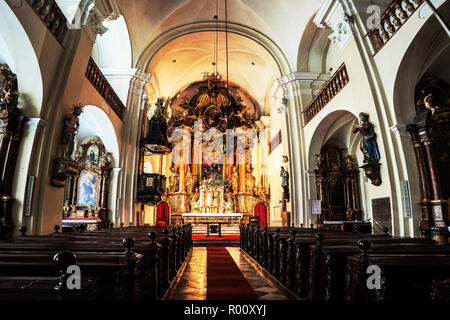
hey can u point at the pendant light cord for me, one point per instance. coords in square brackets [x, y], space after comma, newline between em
[226, 42]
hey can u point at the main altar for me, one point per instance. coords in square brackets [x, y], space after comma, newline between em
[210, 179]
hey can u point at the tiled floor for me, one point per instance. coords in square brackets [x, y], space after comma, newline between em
[192, 284]
[263, 287]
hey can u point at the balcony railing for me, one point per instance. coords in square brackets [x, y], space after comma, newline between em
[336, 83]
[392, 20]
[98, 80]
[52, 16]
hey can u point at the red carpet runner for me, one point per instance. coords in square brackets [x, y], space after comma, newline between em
[224, 279]
[224, 237]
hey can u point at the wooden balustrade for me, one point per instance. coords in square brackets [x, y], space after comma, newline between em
[392, 20]
[52, 16]
[336, 83]
[98, 80]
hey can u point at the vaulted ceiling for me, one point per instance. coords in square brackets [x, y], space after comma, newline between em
[283, 20]
[182, 60]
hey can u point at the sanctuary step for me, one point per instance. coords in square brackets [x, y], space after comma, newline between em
[226, 229]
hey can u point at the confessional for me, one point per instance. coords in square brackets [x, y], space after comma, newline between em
[337, 185]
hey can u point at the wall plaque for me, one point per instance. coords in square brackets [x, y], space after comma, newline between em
[381, 212]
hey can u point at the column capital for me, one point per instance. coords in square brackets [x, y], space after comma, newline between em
[331, 15]
[399, 130]
[297, 83]
[139, 81]
[33, 123]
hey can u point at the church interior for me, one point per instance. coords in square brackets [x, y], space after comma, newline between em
[225, 150]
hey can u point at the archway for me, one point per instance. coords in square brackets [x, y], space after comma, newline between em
[95, 125]
[333, 161]
[431, 48]
[16, 51]
[162, 59]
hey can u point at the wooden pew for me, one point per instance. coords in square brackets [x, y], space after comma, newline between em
[328, 261]
[410, 274]
[48, 287]
[158, 254]
[116, 274]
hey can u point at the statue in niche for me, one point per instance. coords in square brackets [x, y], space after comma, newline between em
[235, 180]
[368, 144]
[71, 126]
[285, 182]
[173, 181]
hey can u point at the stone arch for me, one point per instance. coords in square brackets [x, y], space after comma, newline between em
[17, 51]
[210, 26]
[94, 122]
[428, 46]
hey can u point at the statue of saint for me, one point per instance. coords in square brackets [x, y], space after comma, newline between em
[285, 182]
[319, 161]
[428, 102]
[235, 180]
[349, 162]
[250, 181]
[209, 199]
[66, 208]
[368, 143]
[173, 181]
[189, 182]
[229, 205]
[71, 126]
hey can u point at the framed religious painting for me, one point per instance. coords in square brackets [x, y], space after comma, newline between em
[92, 154]
[88, 187]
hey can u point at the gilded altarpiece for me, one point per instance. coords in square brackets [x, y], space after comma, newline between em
[337, 183]
[86, 194]
[430, 137]
[219, 178]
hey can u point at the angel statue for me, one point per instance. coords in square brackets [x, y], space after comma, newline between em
[368, 143]
[71, 126]
[184, 118]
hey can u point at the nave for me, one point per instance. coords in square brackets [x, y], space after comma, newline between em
[224, 273]
[287, 263]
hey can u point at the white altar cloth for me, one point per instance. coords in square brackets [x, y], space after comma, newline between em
[216, 215]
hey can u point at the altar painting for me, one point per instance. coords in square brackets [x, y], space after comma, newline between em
[92, 154]
[88, 188]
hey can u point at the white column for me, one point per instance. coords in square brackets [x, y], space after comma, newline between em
[119, 79]
[293, 139]
[32, 134]
[129, 155]
[113, 196]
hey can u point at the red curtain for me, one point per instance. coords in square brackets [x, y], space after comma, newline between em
[261, 213]
[162, 214]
